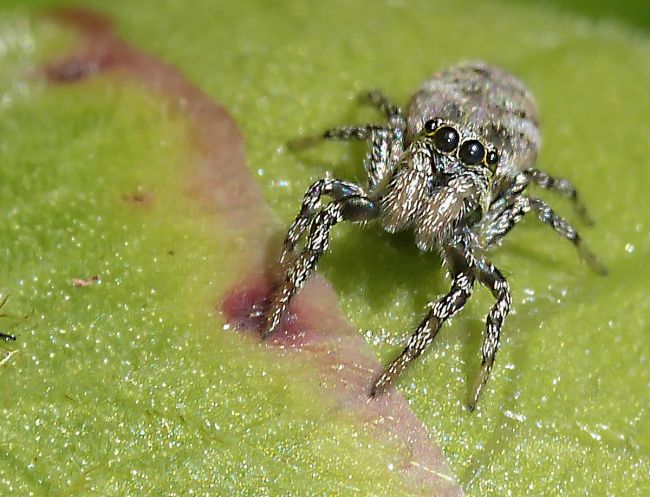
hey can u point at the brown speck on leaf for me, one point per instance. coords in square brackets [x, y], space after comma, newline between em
[139, 196]
[81, 282]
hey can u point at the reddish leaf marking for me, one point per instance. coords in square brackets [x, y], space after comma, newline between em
[224, 183]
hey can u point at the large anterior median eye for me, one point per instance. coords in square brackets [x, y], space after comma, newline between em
[445, 139]
[471, 152]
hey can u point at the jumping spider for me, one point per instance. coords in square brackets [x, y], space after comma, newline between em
[455, 170]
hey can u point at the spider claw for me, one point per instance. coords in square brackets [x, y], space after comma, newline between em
[479, 383]
[266, 332]
[381, 385]
[272, 321]
[590, 258]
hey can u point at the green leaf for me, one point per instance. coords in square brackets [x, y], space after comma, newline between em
[129, 386]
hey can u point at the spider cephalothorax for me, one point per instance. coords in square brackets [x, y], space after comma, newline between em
[455, 171]
[441, 182]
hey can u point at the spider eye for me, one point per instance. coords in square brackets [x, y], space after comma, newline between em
[471, 152]
[492, 158]
[431, 125]
[445, 139]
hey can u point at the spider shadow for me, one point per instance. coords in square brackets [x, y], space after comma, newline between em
[378, 267]
[529, 316]
[501, 426]
[540, 256]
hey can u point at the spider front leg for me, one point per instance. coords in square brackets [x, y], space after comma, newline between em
[353, 208]
[500, 220]
[441, 311]
[492, 278]
[334, 188]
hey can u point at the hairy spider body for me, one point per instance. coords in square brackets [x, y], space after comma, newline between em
[455, 171]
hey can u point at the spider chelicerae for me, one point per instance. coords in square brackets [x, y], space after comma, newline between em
[455, 170]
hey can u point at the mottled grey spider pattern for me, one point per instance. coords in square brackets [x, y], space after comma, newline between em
[455, 170]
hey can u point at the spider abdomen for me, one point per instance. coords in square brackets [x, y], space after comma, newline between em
[490, 101]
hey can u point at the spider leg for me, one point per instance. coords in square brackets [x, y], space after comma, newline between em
[561, 226]
[562, 187]
[445, 308]
[499, 222]
[386, 142]
[341, 133]
[490, 277]
[363, 132]
[383, 156]
[350, 133]
[511, 215]
[503, 200]
[385, 150]
[334, 188]
[353, 208]
[392, 112]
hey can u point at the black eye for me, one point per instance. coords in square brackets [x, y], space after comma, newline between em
[431, 125]
[492, 158]
[471, 152]
[446, 139]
